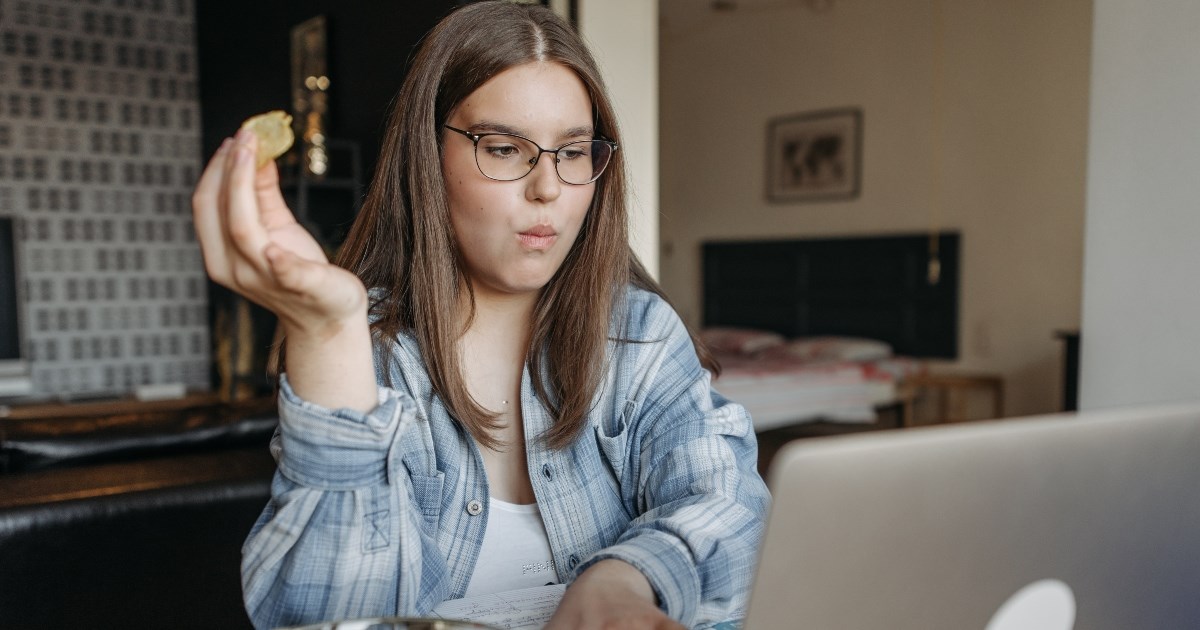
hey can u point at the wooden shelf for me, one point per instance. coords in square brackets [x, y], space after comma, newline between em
[115, 406]
[67, 484]
[128, 415]
[192, 440]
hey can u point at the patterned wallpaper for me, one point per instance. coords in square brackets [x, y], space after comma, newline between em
[99, 150]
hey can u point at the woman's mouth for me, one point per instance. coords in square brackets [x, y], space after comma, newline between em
[538, 237]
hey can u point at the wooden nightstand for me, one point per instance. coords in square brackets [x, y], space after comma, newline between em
[951, 391]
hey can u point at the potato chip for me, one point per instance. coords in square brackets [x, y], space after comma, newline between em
[274, 131]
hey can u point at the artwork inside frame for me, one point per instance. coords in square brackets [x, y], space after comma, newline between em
[815, 156]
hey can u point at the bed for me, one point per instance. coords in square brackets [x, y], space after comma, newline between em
[830, 378]
[817, 336]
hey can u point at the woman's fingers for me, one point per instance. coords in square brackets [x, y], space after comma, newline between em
[271, 206]
[315, 291]
[292, 273]
[278, 266]
[319, 280]
[246, 234]
[206, 213]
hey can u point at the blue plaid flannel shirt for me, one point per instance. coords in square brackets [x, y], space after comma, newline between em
[368, 514]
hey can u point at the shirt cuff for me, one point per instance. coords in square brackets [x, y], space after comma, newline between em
[338, 449]
[667, 565]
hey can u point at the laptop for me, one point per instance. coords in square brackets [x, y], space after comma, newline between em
[1088, 521]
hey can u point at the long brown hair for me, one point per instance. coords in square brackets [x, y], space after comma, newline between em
[403, 243]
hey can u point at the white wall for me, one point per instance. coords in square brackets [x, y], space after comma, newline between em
[1013, 98]
[1141, 306]
[623, 36]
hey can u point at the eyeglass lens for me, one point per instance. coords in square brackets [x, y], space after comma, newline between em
[505, 157]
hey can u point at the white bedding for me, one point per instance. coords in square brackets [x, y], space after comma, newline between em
[779, 392]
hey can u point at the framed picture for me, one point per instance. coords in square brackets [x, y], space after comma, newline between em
[814, 156]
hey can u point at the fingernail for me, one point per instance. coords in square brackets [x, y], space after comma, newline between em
[224, 145]
[243, 136]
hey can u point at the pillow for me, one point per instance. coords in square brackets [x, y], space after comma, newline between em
[729, 340]
[832, 348]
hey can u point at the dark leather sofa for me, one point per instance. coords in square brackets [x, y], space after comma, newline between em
[130, 521]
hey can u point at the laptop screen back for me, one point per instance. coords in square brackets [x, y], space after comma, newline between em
[940, 528]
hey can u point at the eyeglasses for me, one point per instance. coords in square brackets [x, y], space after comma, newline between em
[506, 157]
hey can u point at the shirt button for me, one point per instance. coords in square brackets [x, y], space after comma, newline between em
[573, 561]
[474, 507]
[546, 472]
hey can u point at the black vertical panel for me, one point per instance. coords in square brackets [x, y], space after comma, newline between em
[10, 341]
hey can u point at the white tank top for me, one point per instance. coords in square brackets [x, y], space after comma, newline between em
[516, 550]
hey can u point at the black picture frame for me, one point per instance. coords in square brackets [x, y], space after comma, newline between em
[815, 156]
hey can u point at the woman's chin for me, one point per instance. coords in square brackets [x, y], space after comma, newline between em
[512, 287]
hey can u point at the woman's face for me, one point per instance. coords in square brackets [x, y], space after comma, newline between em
[514, 235]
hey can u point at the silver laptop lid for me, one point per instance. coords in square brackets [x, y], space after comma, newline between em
[965, 526]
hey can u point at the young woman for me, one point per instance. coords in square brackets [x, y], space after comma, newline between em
[512, 402]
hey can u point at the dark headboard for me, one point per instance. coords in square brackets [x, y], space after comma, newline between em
[875, 287]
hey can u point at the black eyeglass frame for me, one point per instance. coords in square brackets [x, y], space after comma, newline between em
[475, 137]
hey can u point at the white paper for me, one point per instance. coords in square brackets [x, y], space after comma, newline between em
[524, 609]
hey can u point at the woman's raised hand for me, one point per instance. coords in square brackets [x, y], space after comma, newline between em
[253, 245]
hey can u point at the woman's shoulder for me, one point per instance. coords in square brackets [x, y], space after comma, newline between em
[645, 315]
[641, 298]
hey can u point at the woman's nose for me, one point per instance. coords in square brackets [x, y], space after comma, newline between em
[543, 182]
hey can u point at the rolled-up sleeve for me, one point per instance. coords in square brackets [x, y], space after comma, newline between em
[337, 449]
[340, 537]
[701, 503]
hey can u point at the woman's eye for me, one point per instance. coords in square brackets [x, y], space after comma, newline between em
[502, 150]
[571, 153]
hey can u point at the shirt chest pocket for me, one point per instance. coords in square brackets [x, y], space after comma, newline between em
[427, 496]
[612, 436]
[413, 457]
